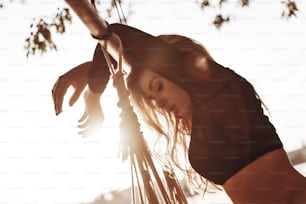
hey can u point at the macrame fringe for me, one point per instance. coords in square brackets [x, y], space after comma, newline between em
[151, 188]
[147, 183]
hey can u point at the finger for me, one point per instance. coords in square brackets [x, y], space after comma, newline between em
[85, 124]
[90, 131]
[59, 99]
[84, 116]
[54, 91]
[85, 133]
[59, 92]
[76, 95]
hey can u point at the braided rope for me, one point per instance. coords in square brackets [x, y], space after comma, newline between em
[152, 190]
[133, 145]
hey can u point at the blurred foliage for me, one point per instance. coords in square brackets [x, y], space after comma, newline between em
[289, 11]
[220, 20]
[40, 39]
[114, 10]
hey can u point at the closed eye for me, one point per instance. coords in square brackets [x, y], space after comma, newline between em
[155, 86]
[160, 87]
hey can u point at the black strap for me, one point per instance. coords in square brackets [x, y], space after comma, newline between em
[106, 35]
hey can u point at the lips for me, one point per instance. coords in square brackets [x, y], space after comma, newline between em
[173, 109]
[176, 112]
[169, 108]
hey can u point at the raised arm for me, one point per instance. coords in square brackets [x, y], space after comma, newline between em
[96, 25]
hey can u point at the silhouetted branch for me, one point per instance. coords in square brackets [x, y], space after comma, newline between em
[40, 39]
[244, 3]
[290, 9]
[219, 20]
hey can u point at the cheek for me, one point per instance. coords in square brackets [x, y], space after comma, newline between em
[180, 97]
[185, 100]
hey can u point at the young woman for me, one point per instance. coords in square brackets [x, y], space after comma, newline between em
[183, 94]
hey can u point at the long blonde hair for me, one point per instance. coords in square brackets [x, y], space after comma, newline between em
[174, 131]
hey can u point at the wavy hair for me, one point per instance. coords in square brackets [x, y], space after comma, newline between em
[175, 132]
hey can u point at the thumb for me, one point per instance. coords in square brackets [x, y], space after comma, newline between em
[75, 96]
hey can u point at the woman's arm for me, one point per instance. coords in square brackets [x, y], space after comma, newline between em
[98, 78]
[75, 77]
[95, 73]
[96, 25]
[99, 74]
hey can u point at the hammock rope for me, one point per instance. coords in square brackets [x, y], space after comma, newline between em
[134, 146]
[151, 188]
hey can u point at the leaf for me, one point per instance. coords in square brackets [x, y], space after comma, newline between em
[290, 9]
[40, 38]
[220, 20]
[244, 3]
[204, 4]
[221, 2]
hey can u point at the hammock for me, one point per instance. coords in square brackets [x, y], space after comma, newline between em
[147, 183]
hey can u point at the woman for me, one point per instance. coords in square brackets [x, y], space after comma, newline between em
[231, 142]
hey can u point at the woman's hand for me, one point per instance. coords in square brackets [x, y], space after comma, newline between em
[93, 116]
[77, 77]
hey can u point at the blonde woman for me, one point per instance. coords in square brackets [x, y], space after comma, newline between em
[184, 95]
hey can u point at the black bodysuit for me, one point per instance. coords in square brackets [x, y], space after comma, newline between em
[229, 128]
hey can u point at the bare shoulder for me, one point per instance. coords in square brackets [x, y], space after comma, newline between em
[269, 179]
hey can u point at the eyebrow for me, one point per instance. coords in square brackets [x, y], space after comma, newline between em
[151, 82]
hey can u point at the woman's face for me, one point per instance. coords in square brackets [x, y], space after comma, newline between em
[167, 95]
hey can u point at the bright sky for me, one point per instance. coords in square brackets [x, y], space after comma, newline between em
[42, 158]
